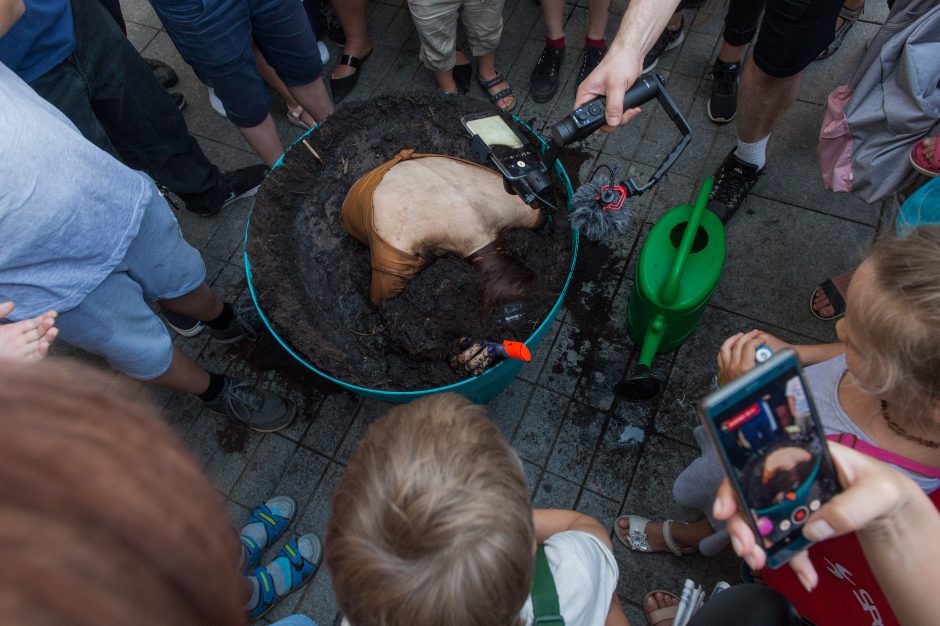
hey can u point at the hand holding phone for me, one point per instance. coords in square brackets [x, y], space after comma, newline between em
[771, 444]
[875, 495]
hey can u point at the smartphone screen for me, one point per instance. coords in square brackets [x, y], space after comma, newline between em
[494, 131]
[773, 448]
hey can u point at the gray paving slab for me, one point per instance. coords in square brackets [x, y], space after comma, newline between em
[651, 496]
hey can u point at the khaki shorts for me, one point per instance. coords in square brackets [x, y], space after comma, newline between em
[436, 23]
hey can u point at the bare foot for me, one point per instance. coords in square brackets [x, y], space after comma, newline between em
[656, 601]
[26, 340]
[930, 149]
[821, 303]
[504, 103]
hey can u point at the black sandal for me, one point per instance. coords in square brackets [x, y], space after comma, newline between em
[486, 85]
[849, 17]
[342, 87]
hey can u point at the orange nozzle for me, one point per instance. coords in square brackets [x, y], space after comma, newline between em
[517, 350]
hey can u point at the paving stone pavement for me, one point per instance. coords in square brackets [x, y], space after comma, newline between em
[582, 447]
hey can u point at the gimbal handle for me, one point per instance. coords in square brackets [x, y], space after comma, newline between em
[583, 121]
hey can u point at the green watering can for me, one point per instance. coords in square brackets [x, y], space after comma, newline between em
[679, 267]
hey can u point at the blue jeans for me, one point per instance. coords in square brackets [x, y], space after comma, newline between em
[108, 91]
[214, 37]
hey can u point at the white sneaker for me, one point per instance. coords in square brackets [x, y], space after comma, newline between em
[216, 103]
[324, 52]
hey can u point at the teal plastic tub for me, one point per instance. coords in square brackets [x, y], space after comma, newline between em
[482, 388]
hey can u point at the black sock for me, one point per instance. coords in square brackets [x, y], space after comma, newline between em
[216, 385]
[225, 318]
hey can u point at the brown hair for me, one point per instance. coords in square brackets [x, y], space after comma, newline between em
[104, 517]
[431, 522]
[506, 278]
[900, 327]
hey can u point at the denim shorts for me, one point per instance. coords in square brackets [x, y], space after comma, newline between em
[114, 321]
[214, 37]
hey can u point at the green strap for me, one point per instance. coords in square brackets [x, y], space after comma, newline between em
[544, 594]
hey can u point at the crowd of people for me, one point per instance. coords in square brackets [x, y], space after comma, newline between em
[107, 519]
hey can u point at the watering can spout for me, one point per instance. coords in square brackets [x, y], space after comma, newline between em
[670, 289]
[651, 340]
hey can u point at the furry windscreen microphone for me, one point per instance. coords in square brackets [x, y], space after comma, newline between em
[600, 207]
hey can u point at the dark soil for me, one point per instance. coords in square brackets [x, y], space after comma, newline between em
[312, 279]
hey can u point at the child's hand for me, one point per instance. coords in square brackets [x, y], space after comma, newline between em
[26, 340]
[738, 355]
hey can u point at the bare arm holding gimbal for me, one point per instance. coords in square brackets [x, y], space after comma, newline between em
[642, 24]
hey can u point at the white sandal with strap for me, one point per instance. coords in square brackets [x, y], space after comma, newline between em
[637, 540]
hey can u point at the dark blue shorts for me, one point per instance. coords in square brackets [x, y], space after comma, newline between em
[214, 37]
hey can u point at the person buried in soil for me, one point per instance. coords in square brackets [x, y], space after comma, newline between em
[93, 240]
[419, 206]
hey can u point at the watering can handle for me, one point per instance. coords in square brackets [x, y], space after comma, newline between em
[670, 289]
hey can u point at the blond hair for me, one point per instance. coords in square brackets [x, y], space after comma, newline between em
[900, 327]
[431, 522]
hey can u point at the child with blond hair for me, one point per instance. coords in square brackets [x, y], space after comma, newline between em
[432, 525]
[877, 389]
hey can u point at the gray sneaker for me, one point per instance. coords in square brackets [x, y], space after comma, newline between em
[261, 410]
[246, 325]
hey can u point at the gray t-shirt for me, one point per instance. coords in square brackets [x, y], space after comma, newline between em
[68, 210]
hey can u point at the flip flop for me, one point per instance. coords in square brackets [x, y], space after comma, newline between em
[661, 615]
[920, 161]
[486, 85]
[836, 300]
[342, 87]
[638, 541]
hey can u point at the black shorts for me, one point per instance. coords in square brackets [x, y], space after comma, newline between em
[792, 33]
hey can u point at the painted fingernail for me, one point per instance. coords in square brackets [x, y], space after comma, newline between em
[818, 530]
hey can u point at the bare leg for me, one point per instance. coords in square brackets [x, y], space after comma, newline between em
[765, 99]
[201, 303]
[353, 15]
[553, 12]
[851, 5]
[729, 53]
[314, 98]
[271, 78]
[487, 71]
[615, 615]
[184, 375]
[598, 12]
[445, 80]
[264, 140]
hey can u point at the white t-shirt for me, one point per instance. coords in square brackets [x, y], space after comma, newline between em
[585, 573]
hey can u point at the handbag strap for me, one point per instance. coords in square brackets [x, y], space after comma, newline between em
[545, 606]
[851, 441]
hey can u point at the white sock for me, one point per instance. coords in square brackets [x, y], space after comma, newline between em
[753, 153]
